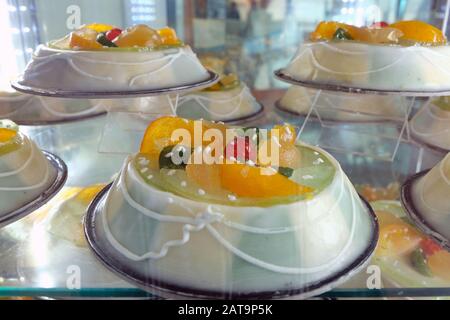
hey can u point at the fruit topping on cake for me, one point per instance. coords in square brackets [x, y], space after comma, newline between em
[102, 36]
[10, 138]
[220, 163]
[8, 131]
[400, 240]
[226, 82]
[402, 32]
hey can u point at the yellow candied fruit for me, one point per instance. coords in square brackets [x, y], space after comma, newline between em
[98, 27]
[7, 135]
[86, 195]
[84, 39]
[420, 32]
[327, 29]
[140, 35]
[248, 181]
[168, 36]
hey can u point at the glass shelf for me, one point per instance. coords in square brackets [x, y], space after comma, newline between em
[35, 262]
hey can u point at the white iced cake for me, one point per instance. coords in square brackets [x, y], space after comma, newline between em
[228, 100]
[25, 173]
[236, 228]
[343, 106]
[102, 58]
[404, 56]
[430, 197]
[431, 124]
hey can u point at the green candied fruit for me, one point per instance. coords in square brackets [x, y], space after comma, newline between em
[443, 103]
[420, 263]
[342, 34]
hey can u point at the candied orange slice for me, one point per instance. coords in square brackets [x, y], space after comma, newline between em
[419, 31]
[159, 132]
[86, 195]
[439, 264]
[98, 27]
[397, 239]
[84, 39]
[7, 134]
[248, 181]
[140, 35]
[168, 36]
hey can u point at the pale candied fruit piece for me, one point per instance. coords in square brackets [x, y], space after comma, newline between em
[421, 32]
[255, 182]
[84, 39]
[168, 36]
[206, 176]
[287, 133]
[140, 35]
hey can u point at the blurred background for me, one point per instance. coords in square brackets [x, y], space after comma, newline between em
[253, 37]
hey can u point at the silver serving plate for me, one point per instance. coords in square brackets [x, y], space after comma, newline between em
[416, 216]
[107, 255]
[56, 93]
[61, 177]
[279, 74]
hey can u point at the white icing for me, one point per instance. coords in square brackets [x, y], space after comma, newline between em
[238, 102]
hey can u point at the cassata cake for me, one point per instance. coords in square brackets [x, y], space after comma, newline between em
[103, 58]
[426, 200]
[431, 124]
[228, 100]
[343, 106]
[407, 257]
[237, 227]
[25, 173]
[403, 56]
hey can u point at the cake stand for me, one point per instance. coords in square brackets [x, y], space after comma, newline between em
[109, 256]
[57, 93]
[52, 190]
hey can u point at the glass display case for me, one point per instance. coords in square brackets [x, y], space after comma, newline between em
[387, 143]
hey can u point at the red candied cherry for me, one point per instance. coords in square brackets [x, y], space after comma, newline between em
[429, 247]
[379, 25]
[112, 34]
[242, 149]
